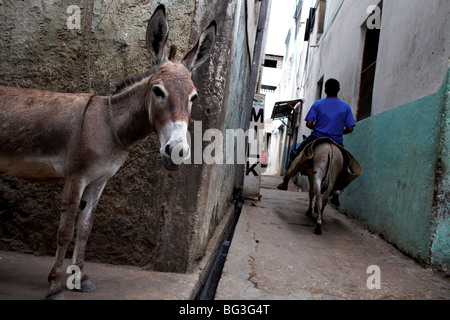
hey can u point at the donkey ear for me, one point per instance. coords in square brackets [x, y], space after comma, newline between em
[200, 53]
[157, 35]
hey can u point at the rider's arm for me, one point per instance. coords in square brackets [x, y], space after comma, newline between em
[348, 130]
[310, 125]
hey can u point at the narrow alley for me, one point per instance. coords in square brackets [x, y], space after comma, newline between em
[276, 255]
[169, 125]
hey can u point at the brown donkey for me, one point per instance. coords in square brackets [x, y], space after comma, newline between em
[327, 164]
[84, 139]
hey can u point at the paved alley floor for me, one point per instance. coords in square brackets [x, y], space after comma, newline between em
[24, 277]
[276, 255]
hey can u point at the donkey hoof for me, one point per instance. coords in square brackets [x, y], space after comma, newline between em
[55, 296]
[309, 213]
[318, 230]
[87, 286]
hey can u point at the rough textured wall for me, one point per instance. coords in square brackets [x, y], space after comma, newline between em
[230, 116]
[146, 215]
[39, 51]
[45, 54]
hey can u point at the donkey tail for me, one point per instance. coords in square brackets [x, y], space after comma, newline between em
[327, 180]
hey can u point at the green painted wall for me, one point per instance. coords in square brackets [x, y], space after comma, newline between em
[440, 248]
[397, 196]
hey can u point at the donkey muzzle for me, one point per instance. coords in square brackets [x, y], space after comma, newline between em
[174, 147]
[174, 153]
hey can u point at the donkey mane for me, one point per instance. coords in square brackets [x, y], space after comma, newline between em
[135, 78]
[131, 80]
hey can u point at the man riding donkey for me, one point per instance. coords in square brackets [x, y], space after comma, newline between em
[328, 118]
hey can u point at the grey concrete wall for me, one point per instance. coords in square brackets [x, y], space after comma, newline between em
[146, 216]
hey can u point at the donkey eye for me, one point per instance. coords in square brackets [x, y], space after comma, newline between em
[159, 92]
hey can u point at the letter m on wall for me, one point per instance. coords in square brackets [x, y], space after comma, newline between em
[257, 117]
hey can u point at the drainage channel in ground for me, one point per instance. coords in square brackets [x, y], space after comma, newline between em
[208, 291]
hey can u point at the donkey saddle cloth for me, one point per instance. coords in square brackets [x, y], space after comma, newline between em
[352, 168]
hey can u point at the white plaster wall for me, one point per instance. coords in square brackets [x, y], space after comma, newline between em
[412, 58]
[414, 51]
[339, 55]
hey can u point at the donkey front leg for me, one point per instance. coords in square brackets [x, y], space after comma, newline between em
[73, 189]
[88, 205]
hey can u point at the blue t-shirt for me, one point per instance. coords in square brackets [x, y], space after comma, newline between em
[331, 116]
